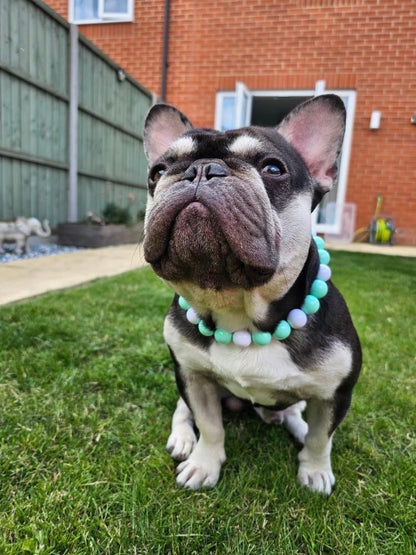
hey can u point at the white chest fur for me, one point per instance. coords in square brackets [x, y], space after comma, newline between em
[262, 374]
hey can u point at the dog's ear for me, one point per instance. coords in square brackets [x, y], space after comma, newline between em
[316, 129]
[163, 125]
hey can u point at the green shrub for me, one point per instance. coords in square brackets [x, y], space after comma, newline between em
[114, 214]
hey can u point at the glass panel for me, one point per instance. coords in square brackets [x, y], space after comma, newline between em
[115, 6]
[228, 113]
[85, 9]
[327, 208]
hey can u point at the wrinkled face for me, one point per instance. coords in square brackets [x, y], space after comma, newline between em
[215, 205]
[225, 210]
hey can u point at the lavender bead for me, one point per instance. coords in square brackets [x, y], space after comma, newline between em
[192, 316]
[324, 272]
[297, 318]
[242, 338]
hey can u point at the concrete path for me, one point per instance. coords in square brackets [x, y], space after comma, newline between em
[28, 278]
[395, 250]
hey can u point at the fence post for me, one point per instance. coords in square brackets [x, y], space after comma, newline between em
[73, 126]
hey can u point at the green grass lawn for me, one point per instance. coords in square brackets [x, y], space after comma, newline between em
[86, 397]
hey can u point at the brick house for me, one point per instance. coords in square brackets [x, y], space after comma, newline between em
[232, 62]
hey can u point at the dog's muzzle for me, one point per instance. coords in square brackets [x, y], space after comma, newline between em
[213, 229]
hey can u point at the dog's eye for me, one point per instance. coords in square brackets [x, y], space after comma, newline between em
[274, 169]
[157, 173]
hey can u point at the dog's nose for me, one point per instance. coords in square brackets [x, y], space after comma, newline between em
[204, 170]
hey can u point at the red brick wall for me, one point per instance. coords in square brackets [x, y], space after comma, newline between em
[366, 45]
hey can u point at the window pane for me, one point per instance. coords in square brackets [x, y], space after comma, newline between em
[228, 113]
[85, 9]
[327, 210]
[115, 6]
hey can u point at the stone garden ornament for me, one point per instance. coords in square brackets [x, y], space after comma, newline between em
[19, 231]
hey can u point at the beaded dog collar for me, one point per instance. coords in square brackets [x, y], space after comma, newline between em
[296, 319]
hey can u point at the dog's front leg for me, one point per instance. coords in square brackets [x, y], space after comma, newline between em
[202, 468]
[182, 439]
[315, 470]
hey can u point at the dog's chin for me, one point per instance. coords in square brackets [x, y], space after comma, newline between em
[197, 250]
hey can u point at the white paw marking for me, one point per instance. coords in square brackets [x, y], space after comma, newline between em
[320, 480]
[297, 427]
[315, 471]
[201, 470]
[181, 442]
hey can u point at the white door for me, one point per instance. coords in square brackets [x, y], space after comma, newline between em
[233, 109]
[243, 107]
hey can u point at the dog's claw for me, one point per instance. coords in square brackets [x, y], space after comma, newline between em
[201, 470]
[317, 480]
[181, 443]
[190, 476]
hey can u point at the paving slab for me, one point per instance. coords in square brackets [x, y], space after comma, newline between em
[388, 250]
[22, 279]
[28, 278]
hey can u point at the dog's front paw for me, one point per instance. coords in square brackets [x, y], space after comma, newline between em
[315, 478]
[181, 442]
[201, 470]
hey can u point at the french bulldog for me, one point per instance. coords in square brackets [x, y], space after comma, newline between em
[228, 228]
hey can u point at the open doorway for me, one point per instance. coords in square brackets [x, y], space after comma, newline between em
[243, 107]
[269, 111]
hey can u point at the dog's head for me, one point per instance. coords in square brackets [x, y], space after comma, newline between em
[232, 209]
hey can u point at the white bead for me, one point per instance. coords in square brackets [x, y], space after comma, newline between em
[324, 272]
[192, 316]
[297, 318]
[242, 338]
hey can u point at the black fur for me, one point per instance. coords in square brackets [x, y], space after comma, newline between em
[187, 223]
[188, 330]
[213, 145]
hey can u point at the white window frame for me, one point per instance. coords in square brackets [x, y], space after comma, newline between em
[334, 228]
[243, 106]
[103, 17]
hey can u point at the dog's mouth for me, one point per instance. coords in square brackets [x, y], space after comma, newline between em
[214, 237]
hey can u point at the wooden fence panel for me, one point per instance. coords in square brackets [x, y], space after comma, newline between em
[34, 126]
[37, 190]
[96, 193]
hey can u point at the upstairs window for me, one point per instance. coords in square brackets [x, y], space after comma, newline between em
[100, 11]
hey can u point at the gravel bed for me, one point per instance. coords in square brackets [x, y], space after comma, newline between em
[36, 251]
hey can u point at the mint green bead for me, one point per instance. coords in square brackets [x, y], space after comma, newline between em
[203, 330]
[183, 303]
[282, 330]
[324, 256]
[261, 337]
[320, 243]
[319, 288]
[310, 305]
[223, 336]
